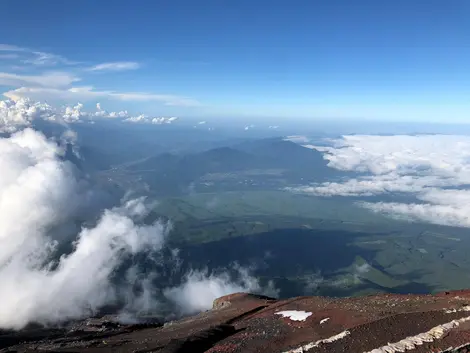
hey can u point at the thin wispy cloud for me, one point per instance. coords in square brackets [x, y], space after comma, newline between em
[33, 57]
[115, 66]
[53, 79]
[88, 93]
[8, 47]
[49, 85]
[47, 59]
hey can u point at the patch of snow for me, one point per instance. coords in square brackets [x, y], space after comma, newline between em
[295, 315]
[324, 320]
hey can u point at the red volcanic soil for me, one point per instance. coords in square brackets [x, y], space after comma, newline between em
[249, 323]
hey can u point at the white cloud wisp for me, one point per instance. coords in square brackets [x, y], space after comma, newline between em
[115, 66]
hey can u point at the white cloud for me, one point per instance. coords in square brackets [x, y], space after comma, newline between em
[435, 169]
[362, 269]
[120, 114]
[19, 114]
[200, 289]
[448, 207]
[138, 119]
[22, 113]
[148, 120]
[105, 114]
[115, 66]
[74, 114]
[376, 185]
[164, 120]
[53, 79]
[77, 114]
[399, 153]
[38, 193]
[88, 93]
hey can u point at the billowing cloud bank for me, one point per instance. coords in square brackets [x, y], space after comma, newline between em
[434, 169]
[54, 266]
[15, 115]
[38, 193]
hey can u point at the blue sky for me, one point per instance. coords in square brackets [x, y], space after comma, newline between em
[403, 60]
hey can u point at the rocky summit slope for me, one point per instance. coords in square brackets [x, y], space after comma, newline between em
[248, 323]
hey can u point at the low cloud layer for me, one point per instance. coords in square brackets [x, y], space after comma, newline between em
[432, 169]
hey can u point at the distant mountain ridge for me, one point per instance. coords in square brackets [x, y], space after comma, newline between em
[176, 171]
[264, 153]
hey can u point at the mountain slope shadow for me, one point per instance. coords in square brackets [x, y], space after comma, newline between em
[285, 255]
